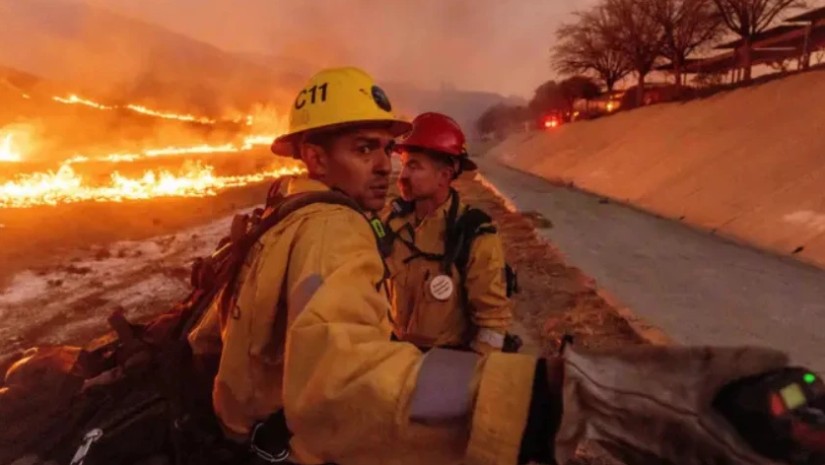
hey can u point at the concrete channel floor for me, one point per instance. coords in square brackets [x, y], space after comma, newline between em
[698, 288]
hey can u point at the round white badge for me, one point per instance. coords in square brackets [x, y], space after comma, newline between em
[441, 287]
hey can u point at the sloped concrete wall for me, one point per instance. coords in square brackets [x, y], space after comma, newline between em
[748, 164]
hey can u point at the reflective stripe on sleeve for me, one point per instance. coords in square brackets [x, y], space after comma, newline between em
[442, 391]
[302, 294]
[490, 337]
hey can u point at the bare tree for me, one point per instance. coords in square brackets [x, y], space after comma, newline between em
[547, 98]
[686, 25]
[578, 87]
[747, 18]
[501, 119]
[582, 48]
[635, 35]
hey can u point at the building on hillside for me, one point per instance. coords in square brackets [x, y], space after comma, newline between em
[605, 103]
[797, 40]
[655, 92]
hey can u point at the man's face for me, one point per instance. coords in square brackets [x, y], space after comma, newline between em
[357, 163]
[422, 176]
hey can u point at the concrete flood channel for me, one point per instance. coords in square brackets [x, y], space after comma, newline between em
[698, 288]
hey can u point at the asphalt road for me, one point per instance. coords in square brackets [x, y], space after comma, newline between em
[698, 288]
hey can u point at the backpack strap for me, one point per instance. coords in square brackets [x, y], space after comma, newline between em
[452, 232]
[398, 209]
[461, 229]
[475, 223]
[292, 203]
[277, 210]
[402, 208]
[472, 223]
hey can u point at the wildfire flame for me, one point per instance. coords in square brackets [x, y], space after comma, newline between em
[7, 152]
[66, 186]
[249, 143]
[76, 100]
[166, 115]
[195, 179]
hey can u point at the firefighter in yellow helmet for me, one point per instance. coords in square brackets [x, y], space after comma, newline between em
[308, 374]
[449, 276]
[305, 339]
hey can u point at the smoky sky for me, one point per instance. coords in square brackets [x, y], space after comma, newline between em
[491, 45]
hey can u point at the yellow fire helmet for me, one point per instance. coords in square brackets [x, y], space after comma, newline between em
[337, 97]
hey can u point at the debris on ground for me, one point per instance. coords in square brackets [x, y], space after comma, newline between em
[538, 220]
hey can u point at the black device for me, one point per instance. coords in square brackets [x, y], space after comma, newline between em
[781, 414]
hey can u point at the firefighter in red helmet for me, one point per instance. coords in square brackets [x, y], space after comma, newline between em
[449, 276]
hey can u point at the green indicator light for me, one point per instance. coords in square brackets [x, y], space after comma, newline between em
[809, 378]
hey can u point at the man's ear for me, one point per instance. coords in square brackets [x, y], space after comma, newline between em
[448, 174]
[315, 157]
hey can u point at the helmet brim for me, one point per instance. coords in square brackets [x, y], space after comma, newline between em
[285, 145]
[465, 163]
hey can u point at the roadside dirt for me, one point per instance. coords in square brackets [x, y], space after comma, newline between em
[555, 298]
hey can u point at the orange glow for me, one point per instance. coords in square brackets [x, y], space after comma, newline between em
[7, 150]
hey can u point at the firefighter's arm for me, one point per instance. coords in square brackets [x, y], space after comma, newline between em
[486, 284]
[353, 396]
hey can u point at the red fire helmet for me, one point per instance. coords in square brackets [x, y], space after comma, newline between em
[438, 133]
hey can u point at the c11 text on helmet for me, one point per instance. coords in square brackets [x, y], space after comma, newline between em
[300, 101]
